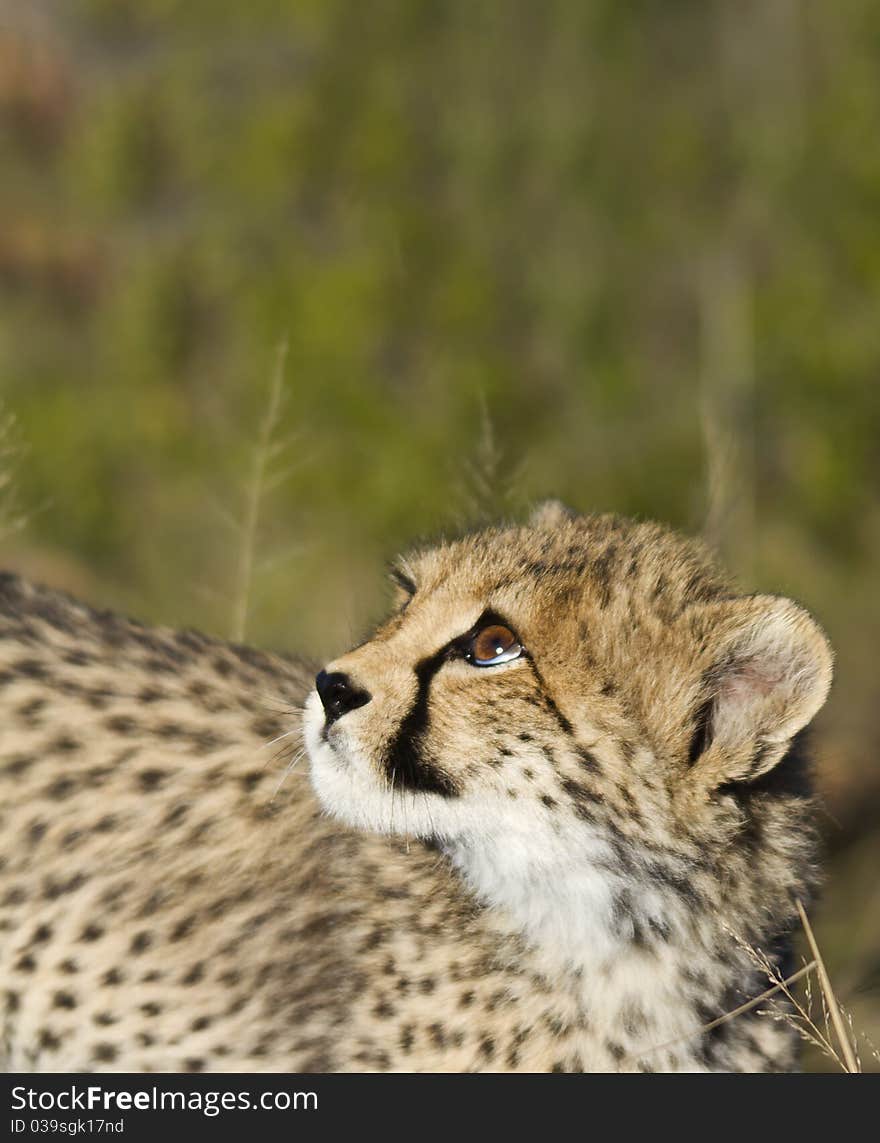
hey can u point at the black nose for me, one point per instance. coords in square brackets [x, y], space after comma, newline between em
[339, 695]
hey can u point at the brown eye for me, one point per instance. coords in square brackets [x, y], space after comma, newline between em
[492, 645]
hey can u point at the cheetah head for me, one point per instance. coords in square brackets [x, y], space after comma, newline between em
[577, 685]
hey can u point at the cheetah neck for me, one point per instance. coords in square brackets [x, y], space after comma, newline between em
[625, 951]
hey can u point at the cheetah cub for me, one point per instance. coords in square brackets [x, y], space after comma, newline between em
[558, 795]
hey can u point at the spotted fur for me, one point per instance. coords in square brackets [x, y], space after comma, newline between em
[550, 864]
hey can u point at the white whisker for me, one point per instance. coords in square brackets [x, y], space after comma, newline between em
[300, 754]
[287, 734]
[428, 812]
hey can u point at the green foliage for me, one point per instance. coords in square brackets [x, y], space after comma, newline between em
[441, 207]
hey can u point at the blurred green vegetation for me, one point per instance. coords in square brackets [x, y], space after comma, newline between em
[628, 255]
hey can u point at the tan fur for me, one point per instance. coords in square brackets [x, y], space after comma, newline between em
[621, 807]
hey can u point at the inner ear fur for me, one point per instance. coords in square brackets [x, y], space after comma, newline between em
[770, 675]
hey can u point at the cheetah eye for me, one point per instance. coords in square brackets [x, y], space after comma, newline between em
[491, 645]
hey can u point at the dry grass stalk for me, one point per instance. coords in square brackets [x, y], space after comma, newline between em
[487, 485]
[265, 452]
[12, 449]
[777, 986]
[800, 1016]
[829, 1000]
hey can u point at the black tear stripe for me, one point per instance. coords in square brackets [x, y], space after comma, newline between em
[407, 764]
[564, 724]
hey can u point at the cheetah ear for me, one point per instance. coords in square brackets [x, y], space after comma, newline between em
[770, 677]
[550, 514]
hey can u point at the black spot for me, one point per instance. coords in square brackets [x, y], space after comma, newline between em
[104, 1053]
[548, 801]
[588, 761]
[634, 1019]
[149, 780]
[91, 932]
[64, 744]
[60, 789]
[140, 942]
[121, 724]
[18, 765]
[267, 727]
[601, 571]
[627, 749]
[53, 889]
[36, 832]
[183, 928]
[64, 1000]
[584, 800]
[112, 977]
[195, 974]
[204, 741]
[176, 814]
[48, 1040]
[31, 708]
